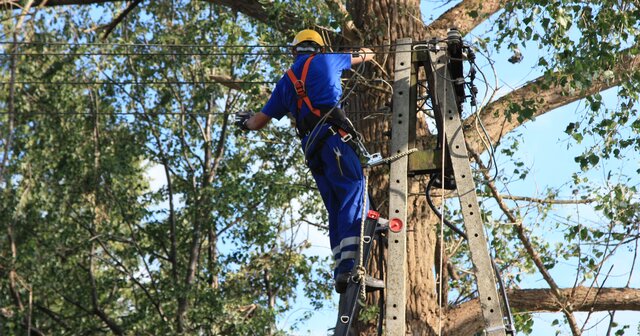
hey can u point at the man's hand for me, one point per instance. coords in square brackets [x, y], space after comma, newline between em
[361, 55]
[241, 120]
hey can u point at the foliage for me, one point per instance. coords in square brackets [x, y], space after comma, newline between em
[99, 246]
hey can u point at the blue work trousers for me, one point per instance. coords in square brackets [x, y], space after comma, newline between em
[338, 173]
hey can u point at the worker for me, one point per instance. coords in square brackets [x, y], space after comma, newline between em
[311, 91]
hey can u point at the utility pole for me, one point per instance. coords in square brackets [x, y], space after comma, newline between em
[439, 59]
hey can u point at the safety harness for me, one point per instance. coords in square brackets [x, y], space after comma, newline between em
[309, 122]
[337, 120]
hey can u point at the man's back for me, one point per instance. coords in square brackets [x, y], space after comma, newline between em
[323, 79]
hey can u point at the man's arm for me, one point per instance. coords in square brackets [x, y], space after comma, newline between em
[248, 121]
[257, 121]
[362, 55]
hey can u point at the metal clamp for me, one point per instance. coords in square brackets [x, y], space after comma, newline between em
[372, 159]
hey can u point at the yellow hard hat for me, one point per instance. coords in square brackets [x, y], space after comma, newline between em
[308, 35]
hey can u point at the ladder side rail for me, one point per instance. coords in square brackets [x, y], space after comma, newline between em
[396, 287]
[446, 100]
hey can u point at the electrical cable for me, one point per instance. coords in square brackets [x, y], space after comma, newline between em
[71, 113]
[167, 45]
[178, 45]
[135, 82]
[488, 144]
[164, 82]
[192, 53]
[432, 180]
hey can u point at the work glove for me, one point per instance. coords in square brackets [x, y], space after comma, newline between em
[241, 119]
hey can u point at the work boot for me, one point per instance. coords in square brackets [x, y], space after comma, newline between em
[371, 283]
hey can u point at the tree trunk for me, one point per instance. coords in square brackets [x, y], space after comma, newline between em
[385, 23]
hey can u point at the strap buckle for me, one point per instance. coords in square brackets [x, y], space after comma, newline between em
[345, 138]
[300, 90]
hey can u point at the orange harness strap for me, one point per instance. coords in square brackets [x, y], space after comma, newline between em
[299, 85]
[301, 91]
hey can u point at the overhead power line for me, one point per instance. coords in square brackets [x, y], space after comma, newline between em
[177, 45]
[165, 82]
[156, 49]
[192, 53]
[137, 83]
[151, 113]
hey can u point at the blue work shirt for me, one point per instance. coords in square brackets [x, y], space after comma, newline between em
[322, 85]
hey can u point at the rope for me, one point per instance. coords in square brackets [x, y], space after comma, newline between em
[361, 271]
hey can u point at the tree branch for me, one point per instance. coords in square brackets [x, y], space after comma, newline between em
[349, 30]
[522, 234]
[8, 314]
[466, 319]
[545, 96]
[95, 301]
[255, 9]
[465, 16]
[109, 28]
[259, 10]
[15, 4]
[547, 200]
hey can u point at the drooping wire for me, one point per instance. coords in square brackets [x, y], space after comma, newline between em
[432, 180]
[441, 259]
[484, 135]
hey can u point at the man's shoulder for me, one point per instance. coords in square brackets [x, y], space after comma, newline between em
[334, 54]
